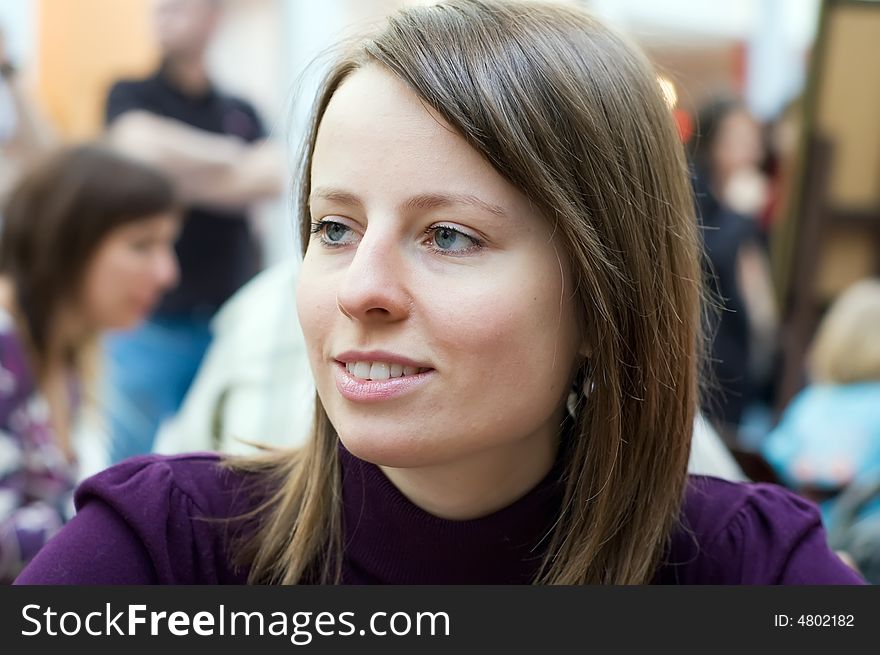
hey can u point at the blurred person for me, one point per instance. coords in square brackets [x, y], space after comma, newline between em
[829, 435]
[726, 151]
[213, 146]
[827, 445]
[86, 246]
[500, 301]
[854, 525]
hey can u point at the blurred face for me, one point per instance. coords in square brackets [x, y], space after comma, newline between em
[738, 144]
[433, 298]
[131, 269]
[184, 27]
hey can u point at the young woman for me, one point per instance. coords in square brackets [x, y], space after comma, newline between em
[501, 300]
[86, 245]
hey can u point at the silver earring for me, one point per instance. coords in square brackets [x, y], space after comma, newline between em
[580, 389]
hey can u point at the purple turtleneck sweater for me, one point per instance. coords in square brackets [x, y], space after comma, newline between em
[142, 522]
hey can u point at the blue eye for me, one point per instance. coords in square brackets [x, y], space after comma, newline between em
[332, 233]
[449, 240]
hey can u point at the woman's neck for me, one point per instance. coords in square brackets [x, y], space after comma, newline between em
[188, 74]
[390, 540]
[480, 484]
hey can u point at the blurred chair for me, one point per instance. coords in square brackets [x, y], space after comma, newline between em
[255, 384]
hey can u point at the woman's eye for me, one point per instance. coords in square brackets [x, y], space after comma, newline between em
[448, 239]
[332, 233]
[335, 232]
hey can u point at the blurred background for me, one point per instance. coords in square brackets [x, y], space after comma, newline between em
[71, 53]
[777, 103]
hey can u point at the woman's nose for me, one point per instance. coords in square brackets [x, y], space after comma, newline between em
[374, 287]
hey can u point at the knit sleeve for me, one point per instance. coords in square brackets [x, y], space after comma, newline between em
[139, 523]
[770, 536]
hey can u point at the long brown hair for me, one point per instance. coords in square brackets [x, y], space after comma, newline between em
[56, 217]
[574, 117]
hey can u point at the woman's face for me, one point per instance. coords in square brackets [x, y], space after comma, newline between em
[434, 299]
[130, 270]
[737, 145]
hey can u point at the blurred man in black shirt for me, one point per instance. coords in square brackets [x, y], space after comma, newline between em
[213, 145]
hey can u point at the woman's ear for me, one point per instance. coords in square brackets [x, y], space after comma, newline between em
[586, 350]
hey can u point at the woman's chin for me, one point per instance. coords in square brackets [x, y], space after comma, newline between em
[127, 321]
[120, 325]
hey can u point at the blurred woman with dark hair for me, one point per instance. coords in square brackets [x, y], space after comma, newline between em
[86, 246]
[725, 153]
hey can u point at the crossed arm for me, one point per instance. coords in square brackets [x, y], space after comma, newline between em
[209, 169]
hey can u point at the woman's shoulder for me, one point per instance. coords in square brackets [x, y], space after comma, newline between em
[713, 505]
[148, 520]
[750, 533]
[207, 486]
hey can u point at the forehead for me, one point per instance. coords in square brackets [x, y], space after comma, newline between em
[377, 136]
[738, 119]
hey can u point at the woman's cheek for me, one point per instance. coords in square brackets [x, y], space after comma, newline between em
[314, 311]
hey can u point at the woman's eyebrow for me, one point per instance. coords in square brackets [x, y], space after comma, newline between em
[421, 201]
[335, 195]
[435, 200]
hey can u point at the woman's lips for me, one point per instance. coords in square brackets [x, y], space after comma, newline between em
[358, 389]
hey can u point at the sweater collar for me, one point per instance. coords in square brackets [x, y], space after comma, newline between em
[390, 540]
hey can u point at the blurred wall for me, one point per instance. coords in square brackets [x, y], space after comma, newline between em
[846, 115]
[755, 48]
[701, 70]
[83, 46]
[849, 105]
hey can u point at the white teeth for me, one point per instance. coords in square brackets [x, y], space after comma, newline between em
[380, 370]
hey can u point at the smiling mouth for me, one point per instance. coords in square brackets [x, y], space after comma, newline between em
[381, 370]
